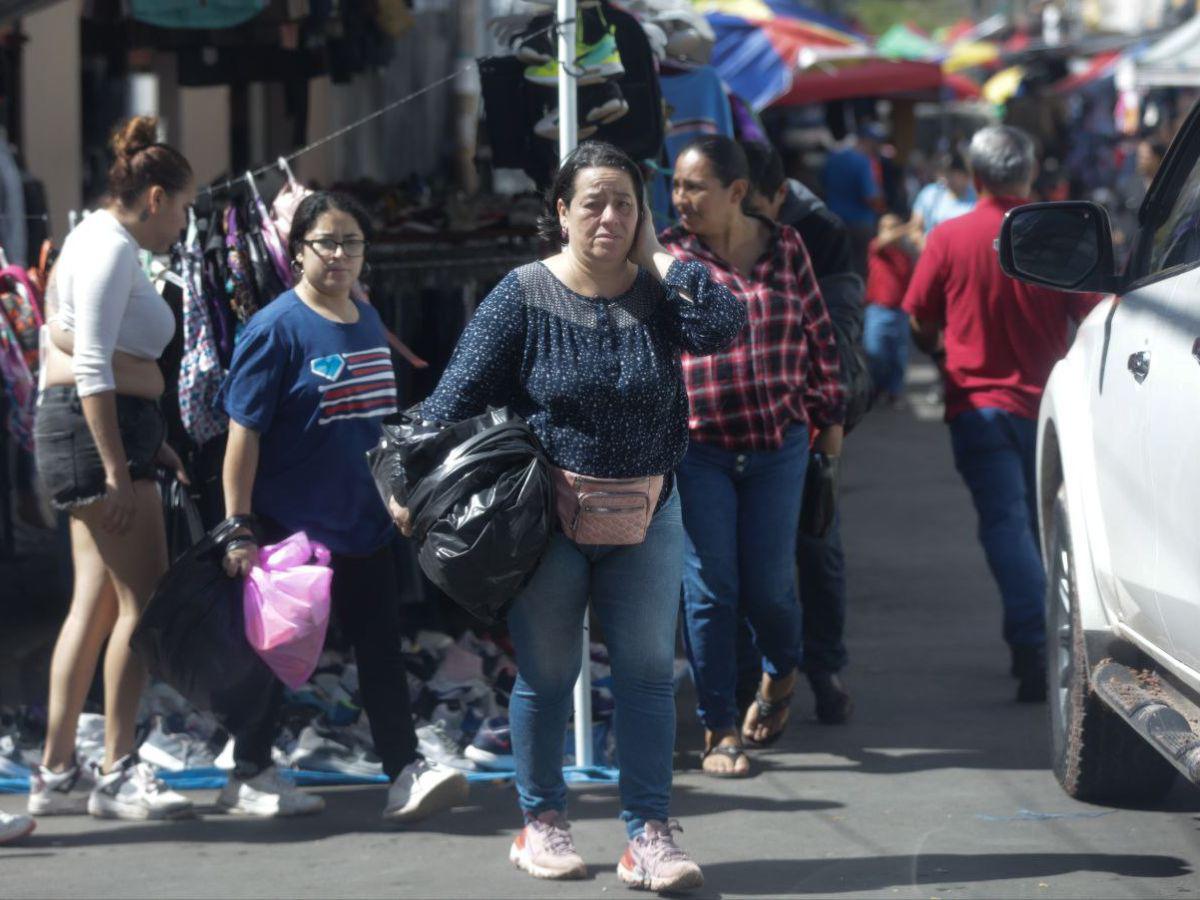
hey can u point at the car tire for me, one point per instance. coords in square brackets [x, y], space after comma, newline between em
[1098, 757]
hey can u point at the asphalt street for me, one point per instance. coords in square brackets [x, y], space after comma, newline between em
[938, 787]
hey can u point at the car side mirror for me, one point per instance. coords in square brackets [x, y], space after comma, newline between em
[1066, 245]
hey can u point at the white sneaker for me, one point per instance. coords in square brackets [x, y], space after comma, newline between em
[267, 795]
[434, 743]
[60, 793]
[13, 828]
[133, 791]
[422, 789]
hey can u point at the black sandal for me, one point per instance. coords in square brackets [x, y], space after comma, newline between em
[729, 752]
[767, 709]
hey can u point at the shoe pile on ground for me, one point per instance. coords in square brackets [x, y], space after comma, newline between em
[460, 691]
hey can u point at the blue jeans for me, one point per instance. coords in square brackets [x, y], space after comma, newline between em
[740, 512]
[821, 569]
[885, 339]
[635, 593]
[995, 453]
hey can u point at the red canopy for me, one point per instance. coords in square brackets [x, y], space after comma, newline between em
[871, 78]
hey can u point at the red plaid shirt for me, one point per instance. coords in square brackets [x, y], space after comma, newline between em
[783, 367]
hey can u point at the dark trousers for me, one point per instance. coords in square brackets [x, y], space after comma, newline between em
[366, 602]
[821, 568]
[995, 451]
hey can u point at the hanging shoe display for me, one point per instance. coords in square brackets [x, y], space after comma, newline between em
[595, 62]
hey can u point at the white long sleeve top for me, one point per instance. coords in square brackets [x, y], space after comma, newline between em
[107, 301]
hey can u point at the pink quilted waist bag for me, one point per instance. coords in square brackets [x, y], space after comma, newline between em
[605, 511]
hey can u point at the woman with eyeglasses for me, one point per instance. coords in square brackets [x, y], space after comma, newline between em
[310, 381]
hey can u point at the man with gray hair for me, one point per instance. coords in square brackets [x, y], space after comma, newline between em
[996, 341]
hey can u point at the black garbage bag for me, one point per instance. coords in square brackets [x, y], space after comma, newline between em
[192, 636]
[819, 505]
[180, 516]
[481, 498]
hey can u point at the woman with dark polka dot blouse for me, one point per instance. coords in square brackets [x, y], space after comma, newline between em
[586, 346]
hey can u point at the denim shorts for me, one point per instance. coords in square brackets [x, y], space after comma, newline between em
[68, 462]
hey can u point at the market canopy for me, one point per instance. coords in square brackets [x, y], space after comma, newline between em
[1174, 61]
[759, 43]
[904, 42]
[869, 78]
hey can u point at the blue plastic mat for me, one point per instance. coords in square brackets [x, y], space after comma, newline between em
[214, 779]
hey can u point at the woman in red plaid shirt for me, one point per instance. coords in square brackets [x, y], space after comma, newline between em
[754, 408]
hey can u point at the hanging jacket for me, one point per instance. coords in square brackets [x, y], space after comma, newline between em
[274, 243]
[200, 369]
[19, 305]
[239, 286]
[19, 385]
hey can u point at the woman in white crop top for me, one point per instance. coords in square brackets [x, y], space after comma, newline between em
[100, 437]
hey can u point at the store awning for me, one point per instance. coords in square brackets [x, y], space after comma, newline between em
[871, 78]
[1174, 61]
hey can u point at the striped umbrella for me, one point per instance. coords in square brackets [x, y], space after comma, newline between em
[760, 43]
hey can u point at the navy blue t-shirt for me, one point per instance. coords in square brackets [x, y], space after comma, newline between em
[315, 391]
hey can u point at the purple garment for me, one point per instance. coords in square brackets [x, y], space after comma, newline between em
[274, 243]
[745, 124]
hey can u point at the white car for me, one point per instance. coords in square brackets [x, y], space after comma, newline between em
[1119, 482]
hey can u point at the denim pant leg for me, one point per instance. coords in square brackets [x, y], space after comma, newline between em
[770, 490]
[875, 344]
[821, 568]
[710, 580]
[898, 349]
[885, 340]
[993, 451]
[635, 592]
[546, 626]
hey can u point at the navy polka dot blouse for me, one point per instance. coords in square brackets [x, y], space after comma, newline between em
[598, 380]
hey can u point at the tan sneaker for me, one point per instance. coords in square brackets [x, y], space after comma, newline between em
[654, 862]
[544, 849]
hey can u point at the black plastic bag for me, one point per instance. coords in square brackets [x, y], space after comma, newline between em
[820, 496]
[180, 516]
[481, 498]
[192, 636]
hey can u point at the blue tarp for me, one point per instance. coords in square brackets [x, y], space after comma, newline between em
[214, 779]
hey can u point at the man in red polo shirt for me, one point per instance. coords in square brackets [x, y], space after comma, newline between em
[1001, 340]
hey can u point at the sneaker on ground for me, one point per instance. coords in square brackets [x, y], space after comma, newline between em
[422, 789]
[435, 744]
[323, 751]
[174, 752]
[60, 793]
[15, 827]
[544, 848]
[492, 747]
[133, 791]
[654, 862]
[12, 763]
[596, 63]
[267, 795]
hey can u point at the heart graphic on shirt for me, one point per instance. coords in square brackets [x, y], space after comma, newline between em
[328, 367]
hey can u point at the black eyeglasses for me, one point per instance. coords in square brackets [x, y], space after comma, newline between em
[352, 247]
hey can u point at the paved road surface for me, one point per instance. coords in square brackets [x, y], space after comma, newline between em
[938, 788]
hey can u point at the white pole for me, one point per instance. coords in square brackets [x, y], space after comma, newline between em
[568, 138]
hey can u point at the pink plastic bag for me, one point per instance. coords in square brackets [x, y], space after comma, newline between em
[286, 604]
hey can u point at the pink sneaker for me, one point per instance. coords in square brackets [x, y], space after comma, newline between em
[544, 848]
[654, 862]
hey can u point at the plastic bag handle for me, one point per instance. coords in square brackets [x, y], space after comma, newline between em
[321, 554]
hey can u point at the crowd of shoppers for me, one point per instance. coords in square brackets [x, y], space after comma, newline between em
[713, 368]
